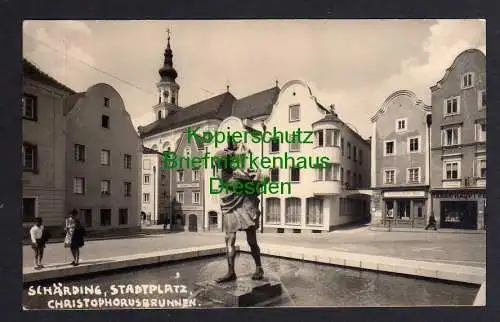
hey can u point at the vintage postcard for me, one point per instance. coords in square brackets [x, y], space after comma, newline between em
[254, 163]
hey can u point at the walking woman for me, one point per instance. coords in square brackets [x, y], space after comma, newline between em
[77, 242]
[70, 227]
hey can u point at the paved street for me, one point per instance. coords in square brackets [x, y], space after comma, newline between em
[452, 248]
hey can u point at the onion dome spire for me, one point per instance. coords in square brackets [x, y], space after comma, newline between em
[167, 72]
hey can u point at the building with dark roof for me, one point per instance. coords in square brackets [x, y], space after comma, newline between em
[172, 122]
[44, 147]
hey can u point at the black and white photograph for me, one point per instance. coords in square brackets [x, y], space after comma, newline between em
[202, 164]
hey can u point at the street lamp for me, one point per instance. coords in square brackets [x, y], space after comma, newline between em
[262, 192]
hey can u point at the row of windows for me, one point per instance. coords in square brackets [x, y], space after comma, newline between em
[180, 176]
[195, 175]
[450, 136]
[451, 171]
[105, 218]
[105, 156]
[30, 109]
[413, 145]
[323, 138]
[30, 157]
[314, 211]
[29, 210]
[179, 197]
[334, 173]
[413, 175]
[452, 104]
[80, 187]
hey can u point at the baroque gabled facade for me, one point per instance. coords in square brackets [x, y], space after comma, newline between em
[458, 143]
[102, 160]
[400, 160]
[321, 199]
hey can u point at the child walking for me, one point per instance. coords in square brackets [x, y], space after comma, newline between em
[38, 240]
[77, 242]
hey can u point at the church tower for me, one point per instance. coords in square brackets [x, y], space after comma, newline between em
[168, 89]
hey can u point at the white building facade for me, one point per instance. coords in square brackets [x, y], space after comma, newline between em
[151, 186]
[319, 199]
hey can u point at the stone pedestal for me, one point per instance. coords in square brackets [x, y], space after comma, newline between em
[242, 292]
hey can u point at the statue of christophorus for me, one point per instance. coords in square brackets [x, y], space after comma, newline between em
[239, 212]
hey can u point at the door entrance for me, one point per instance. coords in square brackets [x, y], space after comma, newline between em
[212, 220]
[193, 223]
[459, 214]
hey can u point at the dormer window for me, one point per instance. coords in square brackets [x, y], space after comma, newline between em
[468, 80]
[173, 100]
[159, 115]
[187, 152]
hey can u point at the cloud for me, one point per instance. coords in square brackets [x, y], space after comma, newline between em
[55, 47]
[447, 39]
[354, 64]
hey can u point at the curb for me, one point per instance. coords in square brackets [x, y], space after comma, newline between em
[57, 271]
[97, 238]
[439, 231]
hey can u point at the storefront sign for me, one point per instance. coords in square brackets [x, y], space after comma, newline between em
[459, 194]
[404, 194]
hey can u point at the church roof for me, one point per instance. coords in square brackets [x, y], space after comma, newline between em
[256, 105]
[146, 150]
[32, 72]
[217, 107]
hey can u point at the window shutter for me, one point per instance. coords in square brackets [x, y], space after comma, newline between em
[443, 137]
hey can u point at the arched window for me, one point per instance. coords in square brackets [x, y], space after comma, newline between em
[159, 114]
[314, 214]
[292, 210]
[273, 211]
[166, 147]
[187, 152]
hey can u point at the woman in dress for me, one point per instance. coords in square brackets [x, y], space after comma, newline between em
[240, 212]
[77, 242]
[69, 228]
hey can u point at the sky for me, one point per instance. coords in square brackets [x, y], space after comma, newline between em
[354, 64]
